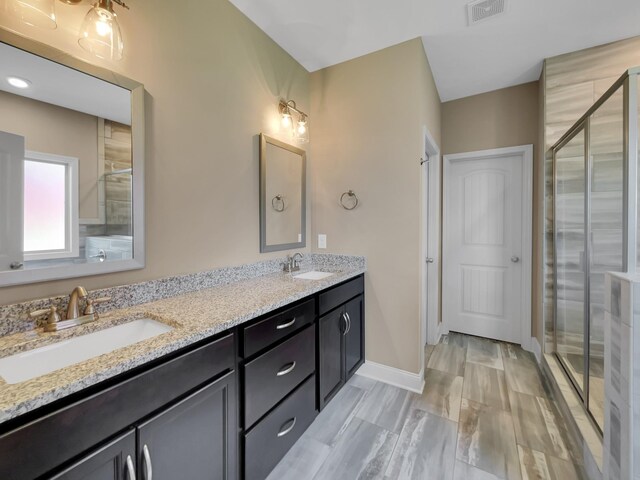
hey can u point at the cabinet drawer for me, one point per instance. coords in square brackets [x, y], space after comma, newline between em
[272, 438]
[271, 376]
[270, 330]
[340, 294]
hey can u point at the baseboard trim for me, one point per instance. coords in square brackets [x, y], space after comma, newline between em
[536, 349]
[413, 382]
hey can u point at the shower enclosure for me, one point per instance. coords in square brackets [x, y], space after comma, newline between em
[595, 215]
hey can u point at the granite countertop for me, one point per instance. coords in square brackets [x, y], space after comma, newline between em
[194, 316]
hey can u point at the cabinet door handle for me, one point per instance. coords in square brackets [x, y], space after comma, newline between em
[282, 326]
[288, 368]
[131, 472]
[147, 463]
[348, 322]
[344, 317]
[283, 431]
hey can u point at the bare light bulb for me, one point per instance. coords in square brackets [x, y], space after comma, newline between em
[103, 28]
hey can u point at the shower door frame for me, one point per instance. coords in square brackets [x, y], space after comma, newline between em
[629, 83]
[582, 126]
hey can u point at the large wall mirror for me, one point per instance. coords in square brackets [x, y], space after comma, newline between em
[282, 195]
[71, 166]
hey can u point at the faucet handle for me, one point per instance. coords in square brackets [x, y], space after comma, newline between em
[38, 313]
[52, 311]
[89, 309]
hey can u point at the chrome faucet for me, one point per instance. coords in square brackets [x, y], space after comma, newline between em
[293, 264]
[73, 310]
[296, 264]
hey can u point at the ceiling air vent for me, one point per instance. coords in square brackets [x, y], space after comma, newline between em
[482, 10]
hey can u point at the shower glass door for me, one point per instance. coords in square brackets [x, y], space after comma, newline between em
[588, 212]
[570, 257]
[606, 145]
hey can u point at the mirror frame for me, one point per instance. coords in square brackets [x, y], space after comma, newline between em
[18, 277]
[264, 248]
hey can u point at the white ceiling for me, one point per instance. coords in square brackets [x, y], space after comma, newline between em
[503, 51]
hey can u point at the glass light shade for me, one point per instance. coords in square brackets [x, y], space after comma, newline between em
[100, 33]
[301, 133]
[35, 13]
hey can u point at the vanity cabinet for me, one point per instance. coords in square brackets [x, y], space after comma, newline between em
[340, 337]
[167, 393]
[227, 408]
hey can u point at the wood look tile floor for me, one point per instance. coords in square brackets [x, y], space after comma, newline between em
[484, 415]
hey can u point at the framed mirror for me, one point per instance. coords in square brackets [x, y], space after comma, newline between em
[282, 195]
[71, 166]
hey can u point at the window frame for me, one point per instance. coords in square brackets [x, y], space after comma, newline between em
[72, 221]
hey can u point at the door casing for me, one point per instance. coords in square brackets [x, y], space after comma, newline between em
[430, 244]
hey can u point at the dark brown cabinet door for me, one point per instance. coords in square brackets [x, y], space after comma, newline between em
[113, 461]
[195, 439]
[331, 329]
[354, 339]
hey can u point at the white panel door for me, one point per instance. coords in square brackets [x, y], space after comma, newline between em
[11, 201]
[482, 270]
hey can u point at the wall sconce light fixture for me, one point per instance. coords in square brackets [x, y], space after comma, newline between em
[298, 127]
[99, 33]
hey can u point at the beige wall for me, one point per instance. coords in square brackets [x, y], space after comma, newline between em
[213, 81]
[51, 129]
[367, 119]
[503, 118]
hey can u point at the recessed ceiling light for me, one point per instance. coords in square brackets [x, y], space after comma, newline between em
[18, 82]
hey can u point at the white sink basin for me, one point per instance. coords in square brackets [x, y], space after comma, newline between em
[313, 275]
[24, 366]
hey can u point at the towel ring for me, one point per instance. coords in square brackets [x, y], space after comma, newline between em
[278, 201]
[351, 194]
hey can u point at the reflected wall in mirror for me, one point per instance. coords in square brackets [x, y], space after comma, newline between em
[71, 166]
[282, 195]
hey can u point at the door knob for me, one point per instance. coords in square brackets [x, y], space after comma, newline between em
[515, 259]
[429, 260]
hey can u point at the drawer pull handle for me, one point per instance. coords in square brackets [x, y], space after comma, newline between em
[288, 368]
[283, 431]
[131, 472]
[147, 463]
[282, 326]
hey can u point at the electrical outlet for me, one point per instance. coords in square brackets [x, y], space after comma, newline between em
[322, 240]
